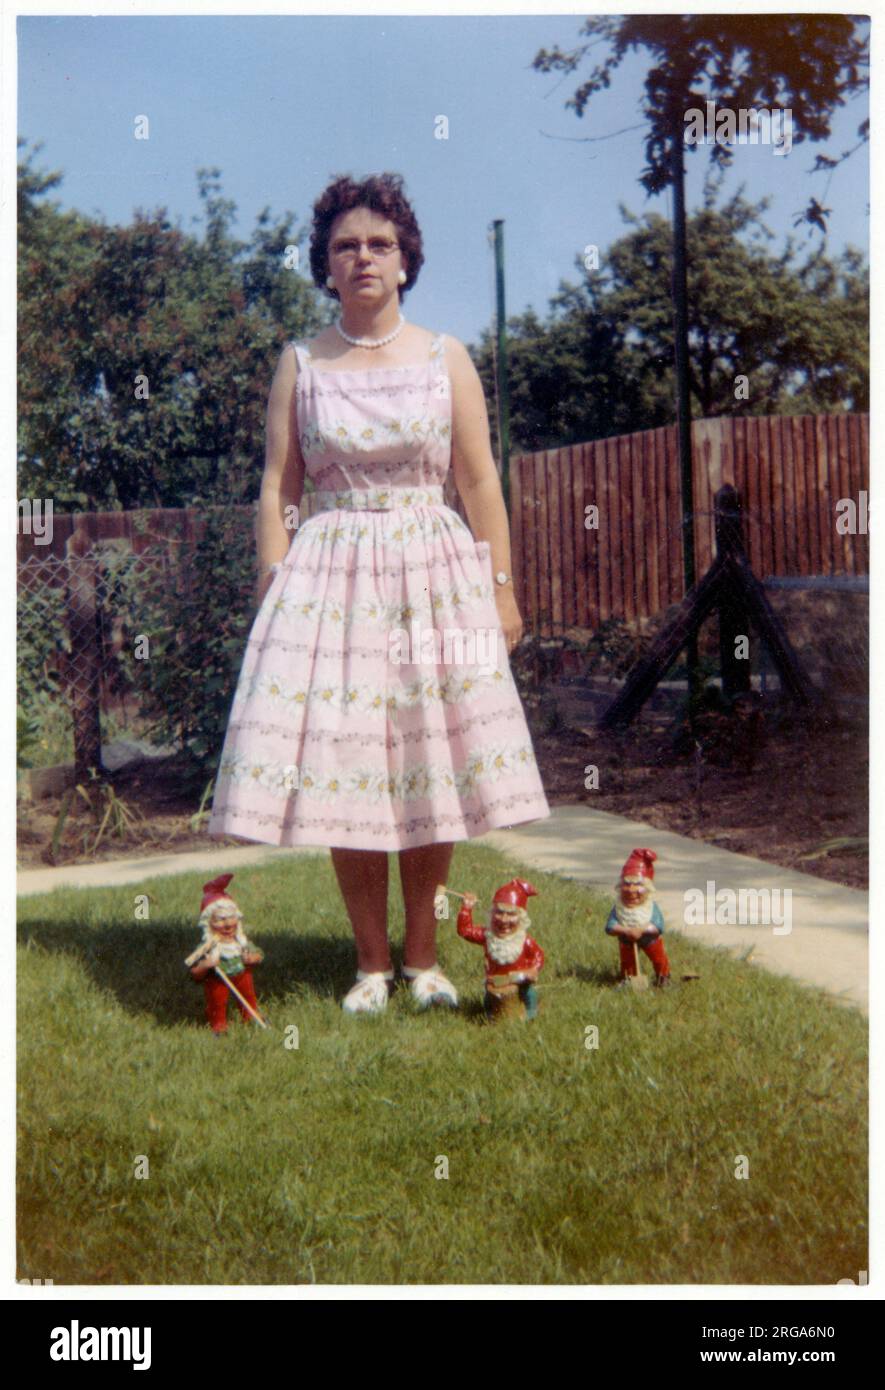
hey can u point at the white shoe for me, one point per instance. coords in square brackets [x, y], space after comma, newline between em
[369, 994]
[429, 987]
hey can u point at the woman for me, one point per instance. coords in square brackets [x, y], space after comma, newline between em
[375, 709]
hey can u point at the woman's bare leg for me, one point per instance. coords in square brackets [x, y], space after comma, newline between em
[362, 878]
[420, 870]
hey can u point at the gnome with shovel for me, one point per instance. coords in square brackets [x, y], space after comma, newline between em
[637, 922]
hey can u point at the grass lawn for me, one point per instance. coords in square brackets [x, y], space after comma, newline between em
[271, 1164]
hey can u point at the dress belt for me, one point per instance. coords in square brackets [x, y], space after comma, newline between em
[379, 499]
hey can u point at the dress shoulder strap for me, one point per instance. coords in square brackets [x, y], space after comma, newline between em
[302, 352]
[436, 347]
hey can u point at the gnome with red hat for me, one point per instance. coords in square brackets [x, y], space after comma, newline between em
[636, 919]
[226, 949]
[513, 959]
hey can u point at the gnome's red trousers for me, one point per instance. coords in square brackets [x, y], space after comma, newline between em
[217, 995]
[653, 949]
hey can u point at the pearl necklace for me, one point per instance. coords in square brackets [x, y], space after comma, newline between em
[371, 342]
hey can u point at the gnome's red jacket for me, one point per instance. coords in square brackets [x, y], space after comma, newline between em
[531, 957]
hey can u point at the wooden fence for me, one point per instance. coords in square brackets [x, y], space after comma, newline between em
[790, 471]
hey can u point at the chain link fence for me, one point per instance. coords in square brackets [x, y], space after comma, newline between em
[80, 617]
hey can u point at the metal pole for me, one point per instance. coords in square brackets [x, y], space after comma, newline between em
[683, 400]
[503, 391]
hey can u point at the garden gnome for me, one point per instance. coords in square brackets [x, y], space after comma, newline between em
[636, 919]
[224, 958]
[513, 959]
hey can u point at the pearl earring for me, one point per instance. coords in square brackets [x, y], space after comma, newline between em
[330, 282]
[402, 277]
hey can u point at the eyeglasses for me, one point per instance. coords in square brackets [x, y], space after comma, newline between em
[379, 247]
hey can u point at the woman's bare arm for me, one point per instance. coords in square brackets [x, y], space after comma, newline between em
[282, 483]
[476, 477]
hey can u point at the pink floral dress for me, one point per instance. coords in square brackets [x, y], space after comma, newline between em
[375, 707]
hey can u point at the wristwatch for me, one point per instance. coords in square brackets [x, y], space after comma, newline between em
[502, 578]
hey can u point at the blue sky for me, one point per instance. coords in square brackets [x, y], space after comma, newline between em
[281, 104]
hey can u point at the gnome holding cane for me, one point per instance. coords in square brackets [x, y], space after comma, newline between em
[637, 921]
[224, 958]
[513, 959]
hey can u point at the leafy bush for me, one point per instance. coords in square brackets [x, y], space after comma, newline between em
[42, 640]
[614, 648]
[45, 733]
[27, 732]
[192, 613]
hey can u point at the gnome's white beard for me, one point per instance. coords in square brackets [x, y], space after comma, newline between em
[228, 948]
[634, 916]
[504, 950]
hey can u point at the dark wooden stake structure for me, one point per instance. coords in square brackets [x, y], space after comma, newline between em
[731, 587]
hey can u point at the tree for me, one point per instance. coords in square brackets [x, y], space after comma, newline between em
[569, 378]
[807, 63]
[786, 328]
[602, 362]
[146, 353]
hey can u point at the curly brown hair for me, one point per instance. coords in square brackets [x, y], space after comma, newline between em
[380, 193]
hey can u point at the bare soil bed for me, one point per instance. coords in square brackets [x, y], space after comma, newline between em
[809, 785]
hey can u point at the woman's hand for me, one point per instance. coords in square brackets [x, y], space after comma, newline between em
[205, 964]
[631, 933]
[509, 615]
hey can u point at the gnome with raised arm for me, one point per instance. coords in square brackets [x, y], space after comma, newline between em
[636, 920]
[513, 959]
[223, 961]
